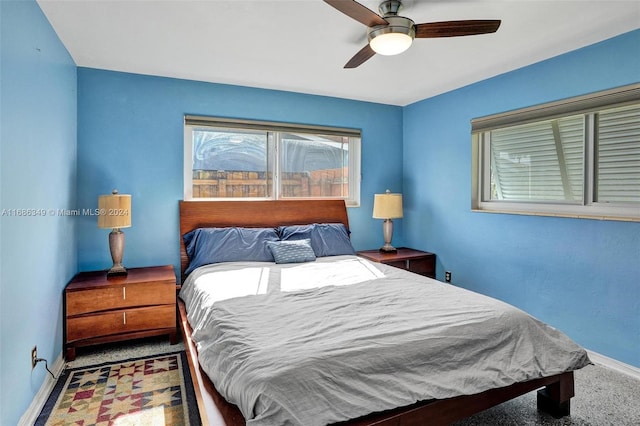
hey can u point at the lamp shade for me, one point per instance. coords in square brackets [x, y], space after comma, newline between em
[387, 206]
[114, 210]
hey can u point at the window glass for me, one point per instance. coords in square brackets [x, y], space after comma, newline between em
[314, 166]
[540, 161]
[230, 164]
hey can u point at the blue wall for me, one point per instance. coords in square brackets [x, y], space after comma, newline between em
[131, 137]
[38, 164]
[582, 276]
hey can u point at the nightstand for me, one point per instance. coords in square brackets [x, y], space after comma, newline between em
[100, 310]
[420, 262]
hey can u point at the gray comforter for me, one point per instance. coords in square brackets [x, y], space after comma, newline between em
[287, 348]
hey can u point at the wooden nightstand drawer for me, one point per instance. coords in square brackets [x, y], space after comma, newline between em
[120, 296]
[423, 266]
[124, 321]
[98, 309]
[397, 263]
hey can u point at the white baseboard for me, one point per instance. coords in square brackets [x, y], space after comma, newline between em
[30, 416]
[613, 364]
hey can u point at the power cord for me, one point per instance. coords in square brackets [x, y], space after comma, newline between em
[37, 360]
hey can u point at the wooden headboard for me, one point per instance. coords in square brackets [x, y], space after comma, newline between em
[255, 214]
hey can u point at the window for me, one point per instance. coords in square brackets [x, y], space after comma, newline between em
[578, 157]
[242, 159]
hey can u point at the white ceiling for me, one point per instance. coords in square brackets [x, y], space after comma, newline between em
[302, 45]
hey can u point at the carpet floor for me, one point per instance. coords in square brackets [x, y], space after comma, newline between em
[603, 397]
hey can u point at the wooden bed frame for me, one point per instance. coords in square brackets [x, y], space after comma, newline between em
[215, 410]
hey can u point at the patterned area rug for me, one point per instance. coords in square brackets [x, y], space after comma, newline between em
[154, 390]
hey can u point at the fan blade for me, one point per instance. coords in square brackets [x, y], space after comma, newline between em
[360, 13]
[359, 58]
[456, 28]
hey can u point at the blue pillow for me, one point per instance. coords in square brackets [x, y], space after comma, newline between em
[295, 232]
[215, 245]
[327, 239]
[294, 251]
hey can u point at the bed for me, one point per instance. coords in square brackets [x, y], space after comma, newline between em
[457, 395]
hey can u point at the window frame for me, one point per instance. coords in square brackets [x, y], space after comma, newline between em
[588, 106]
[273, 130]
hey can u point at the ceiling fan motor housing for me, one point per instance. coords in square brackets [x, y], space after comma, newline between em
[397, 24]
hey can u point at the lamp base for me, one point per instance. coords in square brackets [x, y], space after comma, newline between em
[387, 233]
[116, 247]
[117, 271]
[388, 248]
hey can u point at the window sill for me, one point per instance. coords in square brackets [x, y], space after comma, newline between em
[556, 214]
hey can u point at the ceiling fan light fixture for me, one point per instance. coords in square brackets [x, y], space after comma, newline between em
[391, 43]
[394, 38]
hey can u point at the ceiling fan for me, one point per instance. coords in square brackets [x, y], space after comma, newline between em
[391, 34]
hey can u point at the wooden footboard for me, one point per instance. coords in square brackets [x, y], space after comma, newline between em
[441, 412]
[554, 398]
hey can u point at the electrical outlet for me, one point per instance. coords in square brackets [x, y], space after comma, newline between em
[34, 357]
[447, 276]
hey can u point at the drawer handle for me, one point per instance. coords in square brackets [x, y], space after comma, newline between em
[124, 293]
[406, 262]
[124, 318]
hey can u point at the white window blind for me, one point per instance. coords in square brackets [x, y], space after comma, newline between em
[618, 155]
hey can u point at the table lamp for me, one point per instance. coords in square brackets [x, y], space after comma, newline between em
[114, 211]
[387, 206]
